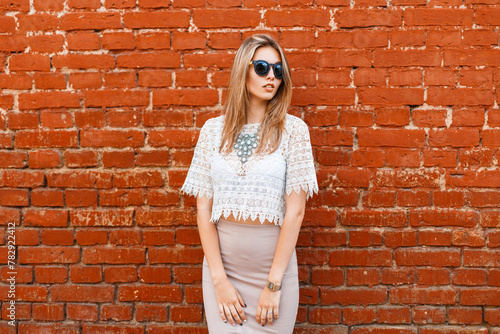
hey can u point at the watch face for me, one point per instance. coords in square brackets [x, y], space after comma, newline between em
[273, 287]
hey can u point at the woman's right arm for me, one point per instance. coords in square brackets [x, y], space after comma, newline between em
[228, 298]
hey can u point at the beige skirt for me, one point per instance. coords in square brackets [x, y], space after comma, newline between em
[247, 253]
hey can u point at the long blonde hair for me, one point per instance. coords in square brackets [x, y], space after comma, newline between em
[238, 97]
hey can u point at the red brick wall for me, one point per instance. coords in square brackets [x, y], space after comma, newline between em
[101, 104]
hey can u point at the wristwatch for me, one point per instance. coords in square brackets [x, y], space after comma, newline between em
[273, 286]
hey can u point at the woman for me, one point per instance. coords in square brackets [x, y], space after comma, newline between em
[252, 172]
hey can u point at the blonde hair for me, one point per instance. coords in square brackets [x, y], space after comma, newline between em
[238, 97]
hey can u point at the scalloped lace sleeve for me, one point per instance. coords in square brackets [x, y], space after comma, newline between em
[198, 180]
[300, 173]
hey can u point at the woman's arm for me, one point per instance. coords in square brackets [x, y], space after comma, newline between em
[228, 298]
[209, 238]
[294, 214]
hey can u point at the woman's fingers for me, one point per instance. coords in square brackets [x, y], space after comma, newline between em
[240, 299]
[232, 313]
[276, 312]
[241, 314]
[270, 317]
[239, 309]
[228, 314]
[236, 314]
[263, 316]
[222, 313]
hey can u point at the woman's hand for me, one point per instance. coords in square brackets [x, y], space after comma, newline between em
[230, 302]
[268, 306]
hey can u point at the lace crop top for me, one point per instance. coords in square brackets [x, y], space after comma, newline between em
[256, 188]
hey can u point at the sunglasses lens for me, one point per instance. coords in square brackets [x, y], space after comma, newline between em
[261, 68]
[278, 71]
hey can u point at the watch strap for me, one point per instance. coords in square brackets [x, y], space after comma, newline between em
[272, 286]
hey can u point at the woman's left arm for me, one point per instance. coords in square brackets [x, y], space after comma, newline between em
[268, 307]
[300, 183]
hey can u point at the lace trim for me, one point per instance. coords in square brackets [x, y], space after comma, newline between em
[193, 190]
[310, 188]
[244, 214]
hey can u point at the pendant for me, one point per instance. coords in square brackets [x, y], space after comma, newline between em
[245, 144]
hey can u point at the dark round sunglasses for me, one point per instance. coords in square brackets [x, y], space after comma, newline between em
[262, 67]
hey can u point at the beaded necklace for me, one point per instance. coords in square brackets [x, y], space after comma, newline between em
[245, 144]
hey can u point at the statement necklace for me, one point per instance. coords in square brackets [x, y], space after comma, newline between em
[245, 144]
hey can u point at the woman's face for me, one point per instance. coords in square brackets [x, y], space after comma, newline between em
[263, 88]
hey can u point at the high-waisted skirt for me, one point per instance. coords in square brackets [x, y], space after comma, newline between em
[247, 253]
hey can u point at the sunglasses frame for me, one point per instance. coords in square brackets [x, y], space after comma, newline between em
[269, 68]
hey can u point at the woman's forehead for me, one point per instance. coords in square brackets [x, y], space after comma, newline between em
[267, 53]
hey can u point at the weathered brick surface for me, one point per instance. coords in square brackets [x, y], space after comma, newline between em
[101, 103]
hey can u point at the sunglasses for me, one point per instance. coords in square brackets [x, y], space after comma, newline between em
[262, 67]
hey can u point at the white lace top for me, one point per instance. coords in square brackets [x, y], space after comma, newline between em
[256, 188]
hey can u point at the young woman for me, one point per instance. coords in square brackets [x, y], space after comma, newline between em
[252, 172]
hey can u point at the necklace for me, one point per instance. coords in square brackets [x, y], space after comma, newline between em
[245, 144]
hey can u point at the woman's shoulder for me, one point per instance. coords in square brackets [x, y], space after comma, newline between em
[213, 123]
[293, 122]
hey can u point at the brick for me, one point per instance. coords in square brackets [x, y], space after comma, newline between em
[369, 18]
[149, 293]
[362, 238]
[302, 17]
[390, 58]
[359, 315]
[233, 18]
[158, 237]
[430, 296]
[51, 312]
[78, 311]
[400, 238]
[121, 274]
[345, 58]
[330, 277]
[394, 315]
[373, 218]
[475, 157]
[38, 255]
[470, 238]
[113, 217]
[433, 276]
[324, 96]
[365, 276]
[429, 118]
[393, 137]
[481, 258]
[118, 255]
[45, 218]
[85, 274]
[424, 257]
[429, 315]
[354, 257]
[466, 178]
[152, 312]
[407, 178]
[479, 296]
[90, 20]
[438, 16]
[190, 313]
[435, 238]
[116, 312]
[82, 293]
[45, 138]
[325, 316]
[349, 296]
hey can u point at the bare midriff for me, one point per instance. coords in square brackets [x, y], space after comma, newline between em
[231, 218]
